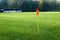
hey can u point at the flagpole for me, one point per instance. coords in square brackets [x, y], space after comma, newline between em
[37, 19]
[38, 24]
[37, 12]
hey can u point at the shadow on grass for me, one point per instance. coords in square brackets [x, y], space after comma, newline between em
[19, 36]
[46, 33]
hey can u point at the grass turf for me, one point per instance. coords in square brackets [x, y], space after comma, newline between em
[23, 26]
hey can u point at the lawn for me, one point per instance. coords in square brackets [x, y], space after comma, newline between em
[23, 26]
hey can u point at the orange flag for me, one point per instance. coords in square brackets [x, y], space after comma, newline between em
[37, 11]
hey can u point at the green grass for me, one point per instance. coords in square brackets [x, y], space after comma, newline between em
[23, 26]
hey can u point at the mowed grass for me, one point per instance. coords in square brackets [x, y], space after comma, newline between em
[23, 26]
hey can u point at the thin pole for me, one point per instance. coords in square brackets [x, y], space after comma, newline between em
[37, 19]
[38, 24]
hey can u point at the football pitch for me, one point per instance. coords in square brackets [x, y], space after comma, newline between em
[23, 26]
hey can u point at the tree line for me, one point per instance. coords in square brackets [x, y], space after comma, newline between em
[30, 6]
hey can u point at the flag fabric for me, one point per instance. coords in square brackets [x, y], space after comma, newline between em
[37, 11]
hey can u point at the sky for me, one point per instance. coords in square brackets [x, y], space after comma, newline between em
[0, 0]
[36, 0]
[58, 0]
[50, 0]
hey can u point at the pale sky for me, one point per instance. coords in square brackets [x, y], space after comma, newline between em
[0, 0]
[58, 0]
[35, 0]
[38, 0]
[50, 0]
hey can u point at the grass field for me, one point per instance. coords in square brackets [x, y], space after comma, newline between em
[23, 26]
